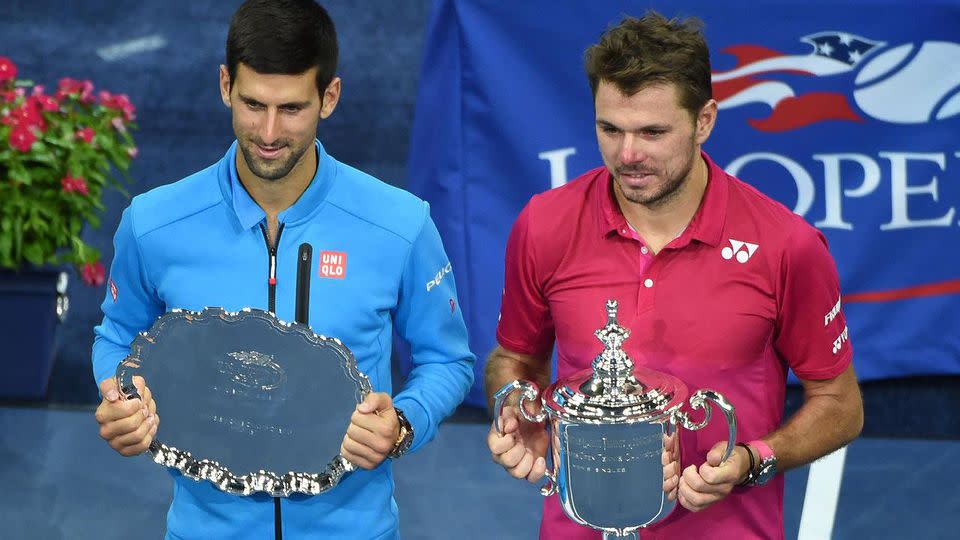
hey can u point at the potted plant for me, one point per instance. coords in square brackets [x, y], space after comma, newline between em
[59, 151]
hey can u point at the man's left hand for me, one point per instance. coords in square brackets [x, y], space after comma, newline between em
[700, 488]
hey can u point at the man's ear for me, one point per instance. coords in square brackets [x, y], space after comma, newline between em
[706, 119]
[330, 98]
[225, 85]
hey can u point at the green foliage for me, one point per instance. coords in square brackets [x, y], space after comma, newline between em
[58, 155]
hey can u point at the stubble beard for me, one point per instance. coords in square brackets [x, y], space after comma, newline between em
[670, 190]
[271, 171]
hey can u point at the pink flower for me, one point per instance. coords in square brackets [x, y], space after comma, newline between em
[119, 102]
[9, 96]
[92, 274]
[44, 103]
[38, 90]
[118, 124]
[22, 138]
[82, 90]
[133, 152]
[26, 115]
[74, 184]
[85, 135]
[8, 70]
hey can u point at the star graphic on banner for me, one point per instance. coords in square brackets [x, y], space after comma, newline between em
[842, 46]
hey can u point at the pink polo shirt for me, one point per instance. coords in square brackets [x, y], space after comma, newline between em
[747, 291]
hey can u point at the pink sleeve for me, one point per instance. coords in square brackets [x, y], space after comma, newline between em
[525, 324]
[811, 333]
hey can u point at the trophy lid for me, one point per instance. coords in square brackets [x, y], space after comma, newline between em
[614, 390]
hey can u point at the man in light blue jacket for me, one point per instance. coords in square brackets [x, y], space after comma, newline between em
[228, 236]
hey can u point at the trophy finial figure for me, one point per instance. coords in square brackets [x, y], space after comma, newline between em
[612, 335]
[612, 368]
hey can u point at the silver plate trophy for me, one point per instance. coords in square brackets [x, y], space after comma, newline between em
[246, 401]
[609, 424]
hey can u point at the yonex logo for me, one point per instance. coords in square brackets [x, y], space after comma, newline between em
[841, 339]
[742, 250]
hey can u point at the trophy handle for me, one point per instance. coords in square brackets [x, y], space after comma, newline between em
[529, 392]
[124, 378]
[550, 488]
[698, 401]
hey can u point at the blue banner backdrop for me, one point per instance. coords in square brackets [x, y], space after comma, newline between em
[840, 111]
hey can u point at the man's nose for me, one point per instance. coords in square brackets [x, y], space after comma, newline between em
[270, 128]
[631, 149]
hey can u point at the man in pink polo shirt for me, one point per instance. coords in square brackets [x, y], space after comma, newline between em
[720, 286]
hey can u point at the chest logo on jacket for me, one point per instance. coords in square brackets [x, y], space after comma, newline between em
[741, 250]
[333, 264]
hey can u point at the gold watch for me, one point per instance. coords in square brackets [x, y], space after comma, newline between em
[404, 438]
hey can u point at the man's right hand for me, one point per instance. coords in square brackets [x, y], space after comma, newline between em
[127, 425]
[522, 448]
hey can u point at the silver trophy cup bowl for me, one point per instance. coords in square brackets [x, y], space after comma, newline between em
[610, 425]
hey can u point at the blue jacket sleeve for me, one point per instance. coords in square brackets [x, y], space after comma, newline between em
[429, 319]
[131, 304]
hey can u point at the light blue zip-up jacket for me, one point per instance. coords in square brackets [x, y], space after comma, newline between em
[198, 242]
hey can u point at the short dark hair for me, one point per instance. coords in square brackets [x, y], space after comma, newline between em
[650, 50]
[283, 37]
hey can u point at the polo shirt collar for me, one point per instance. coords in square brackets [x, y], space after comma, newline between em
[250, 214]
[707, 223]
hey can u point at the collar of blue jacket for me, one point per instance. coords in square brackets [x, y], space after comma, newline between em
[249, 212]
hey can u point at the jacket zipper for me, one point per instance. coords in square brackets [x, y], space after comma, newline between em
[272, 307]
[272, 270]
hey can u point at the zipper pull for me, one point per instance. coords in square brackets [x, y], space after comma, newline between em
[273, 267]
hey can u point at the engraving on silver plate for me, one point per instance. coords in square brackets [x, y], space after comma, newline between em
[253, 370]
[260, 376]
[611, 477]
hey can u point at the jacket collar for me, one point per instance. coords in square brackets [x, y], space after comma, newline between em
[249, 213]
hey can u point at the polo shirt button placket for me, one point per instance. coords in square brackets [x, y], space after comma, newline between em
[646, 260]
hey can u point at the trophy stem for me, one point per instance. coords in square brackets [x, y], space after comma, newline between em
[613, 535]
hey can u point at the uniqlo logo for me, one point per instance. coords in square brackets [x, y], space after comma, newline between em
[333, 264]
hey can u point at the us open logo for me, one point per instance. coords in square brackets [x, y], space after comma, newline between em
[911, 83]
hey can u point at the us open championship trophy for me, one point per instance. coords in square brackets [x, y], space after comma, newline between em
[246, 401]
[608, 424]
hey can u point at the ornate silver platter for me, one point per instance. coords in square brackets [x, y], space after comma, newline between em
[246, 401]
